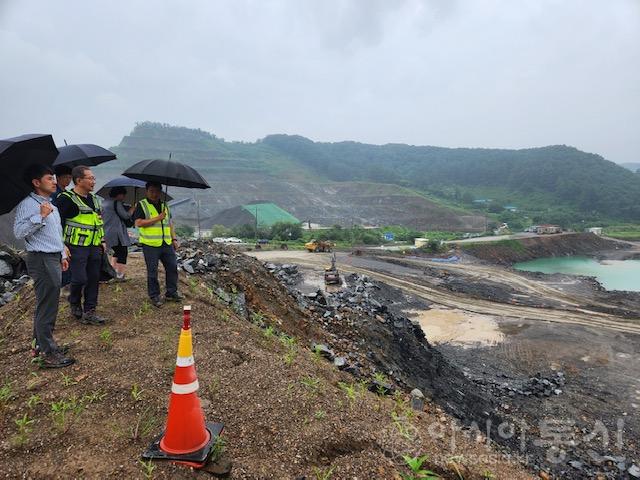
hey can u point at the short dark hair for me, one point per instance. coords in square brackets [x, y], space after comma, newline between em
[78, 172]
[62, 170]
[153, 184]
[115, 191]
[35, 172]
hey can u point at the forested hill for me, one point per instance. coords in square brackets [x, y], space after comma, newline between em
[348, 182]
[556, 175]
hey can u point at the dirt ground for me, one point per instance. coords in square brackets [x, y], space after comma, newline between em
[287, 413]
[523, 326]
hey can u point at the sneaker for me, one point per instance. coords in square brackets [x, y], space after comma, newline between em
[120, 277]
[76, 310]
[55, 360]
[92, 318]
[156, 302]
[175, 297]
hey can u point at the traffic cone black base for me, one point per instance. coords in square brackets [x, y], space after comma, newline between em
[197, 459]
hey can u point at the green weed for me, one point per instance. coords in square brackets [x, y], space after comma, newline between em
[6, 394]
[193, 285]
[311, 383]
[323, 473]
[24, 428]
[269, 332]
[33, 401]
[68, 380]
[320, 414]
[402, 425]
[93, 397]
[106, 337]
[417, 472]
[145, 425]
[65, 410]
[147, 468]
[350, 390]
[136, 392]
[257, 318]
[218, 448]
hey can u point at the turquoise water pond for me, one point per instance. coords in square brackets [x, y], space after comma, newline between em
[612, 274]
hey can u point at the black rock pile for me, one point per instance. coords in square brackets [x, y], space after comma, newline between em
[537, 386]
[202, 257]
[287, 273]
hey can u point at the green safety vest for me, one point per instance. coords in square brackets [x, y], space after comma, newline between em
[157, 233]
[86, 228]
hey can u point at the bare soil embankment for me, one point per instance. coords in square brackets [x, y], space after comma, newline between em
[508, 252]
[287, 412]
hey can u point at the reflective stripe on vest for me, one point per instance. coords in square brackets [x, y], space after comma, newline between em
[154, 235]
[86, 228]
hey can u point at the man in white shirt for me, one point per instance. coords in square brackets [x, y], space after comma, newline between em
[38, 223]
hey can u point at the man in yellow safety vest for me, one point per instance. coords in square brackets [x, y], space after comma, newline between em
[83, 234]
[159, 243]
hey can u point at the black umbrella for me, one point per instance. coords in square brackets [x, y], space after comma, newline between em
[132, 186]
[167, 172]
[83, 154]
[16, 155]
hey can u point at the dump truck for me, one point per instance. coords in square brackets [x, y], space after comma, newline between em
[319, 246]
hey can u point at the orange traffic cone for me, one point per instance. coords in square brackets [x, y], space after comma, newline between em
[188, 439]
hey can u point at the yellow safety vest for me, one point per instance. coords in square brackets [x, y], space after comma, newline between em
[86, 228]
[157, 233]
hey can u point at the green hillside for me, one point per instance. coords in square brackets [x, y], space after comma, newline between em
[353, 183]
[555, 181]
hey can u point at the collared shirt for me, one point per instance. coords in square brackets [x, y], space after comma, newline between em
[40, 234]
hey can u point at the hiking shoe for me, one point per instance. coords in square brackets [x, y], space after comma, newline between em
[63, 349]
[174, 297]
[76, 310]
[156, 302]
[55, 360]
[92, 318]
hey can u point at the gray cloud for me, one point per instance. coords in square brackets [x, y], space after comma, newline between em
[475, 73]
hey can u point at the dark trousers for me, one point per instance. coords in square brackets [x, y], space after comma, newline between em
[85, 266]
[167, 255]
[46, 272]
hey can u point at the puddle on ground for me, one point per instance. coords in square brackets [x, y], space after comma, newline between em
[456, 327]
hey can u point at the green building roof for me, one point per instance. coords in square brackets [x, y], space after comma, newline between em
[269, 213]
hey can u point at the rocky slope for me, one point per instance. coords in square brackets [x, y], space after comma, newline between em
[288, 412]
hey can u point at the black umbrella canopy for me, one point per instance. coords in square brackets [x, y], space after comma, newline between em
[83, 154]
[16, 155]
[135, 189]
[167, 172]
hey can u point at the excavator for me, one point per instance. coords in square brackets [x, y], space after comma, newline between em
[331, 275]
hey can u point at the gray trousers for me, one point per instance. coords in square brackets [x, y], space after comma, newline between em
[46, 272]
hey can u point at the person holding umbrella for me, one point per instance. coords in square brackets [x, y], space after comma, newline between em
[116, 220]
[159, 243]
[37, 221]
[152, 217]
[84, 235]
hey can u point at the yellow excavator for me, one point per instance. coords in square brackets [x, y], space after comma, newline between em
[331, 275]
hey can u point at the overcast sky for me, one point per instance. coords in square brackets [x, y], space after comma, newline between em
[476, 73]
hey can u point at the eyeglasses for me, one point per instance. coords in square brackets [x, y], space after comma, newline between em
[88, 178]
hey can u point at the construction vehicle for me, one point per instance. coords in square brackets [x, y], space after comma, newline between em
[331, 275]
[319, 246]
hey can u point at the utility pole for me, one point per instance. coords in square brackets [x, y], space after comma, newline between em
[256, 223]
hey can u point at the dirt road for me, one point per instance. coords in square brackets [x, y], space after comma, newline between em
[573, 311]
